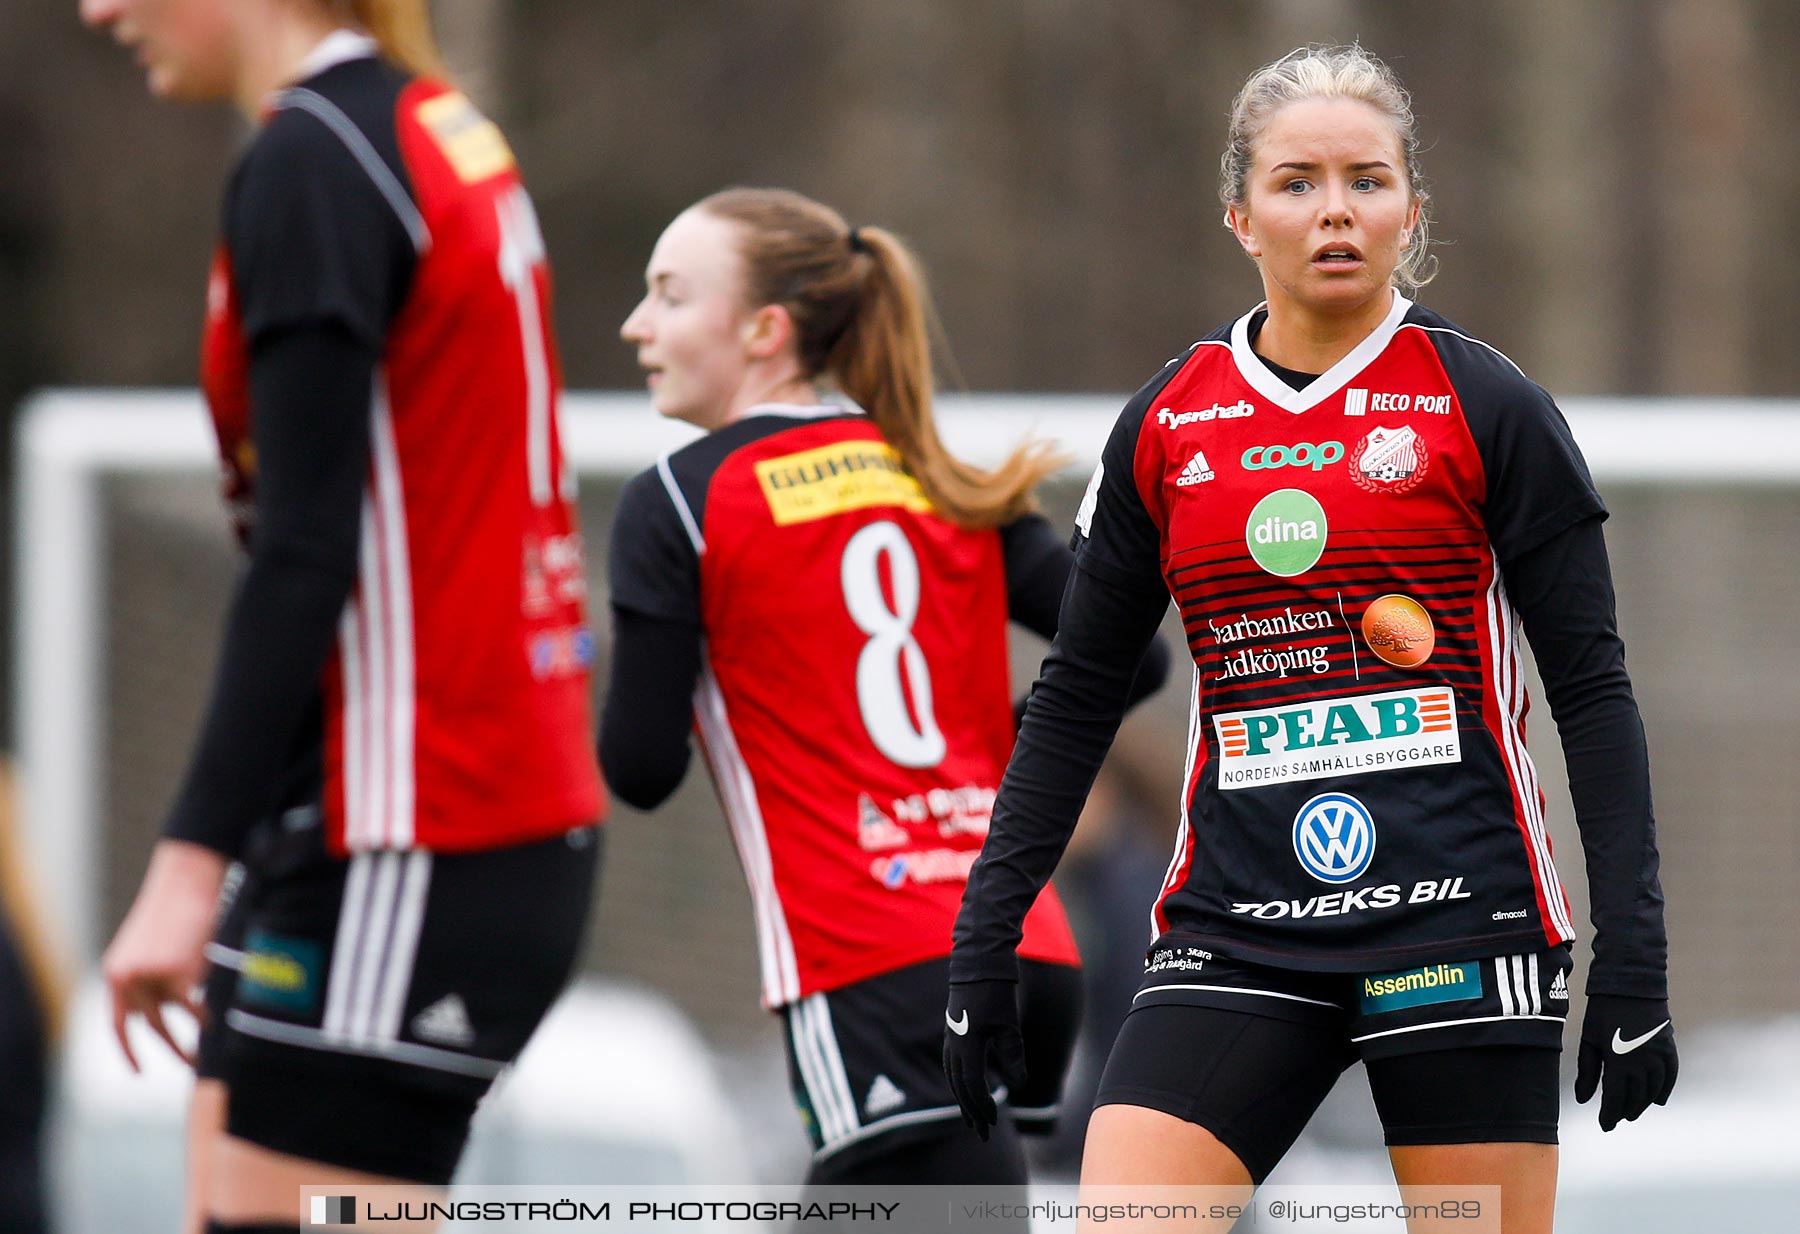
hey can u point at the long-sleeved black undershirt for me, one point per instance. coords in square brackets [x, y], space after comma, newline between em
[310, 386]
[644, 748]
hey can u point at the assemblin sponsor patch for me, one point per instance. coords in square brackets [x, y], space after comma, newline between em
[280, 971]
[1414, 987]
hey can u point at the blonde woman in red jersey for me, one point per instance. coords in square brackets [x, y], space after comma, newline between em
[398, 745]
[822, 590]
[1357, 507]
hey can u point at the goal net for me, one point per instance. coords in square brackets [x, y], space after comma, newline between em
[124, 568]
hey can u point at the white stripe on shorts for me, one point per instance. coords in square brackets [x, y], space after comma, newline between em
[1231, 989]
[816, 1050]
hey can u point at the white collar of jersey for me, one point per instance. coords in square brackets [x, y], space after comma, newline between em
[805, 411]
[333, 50]
[1325, 384]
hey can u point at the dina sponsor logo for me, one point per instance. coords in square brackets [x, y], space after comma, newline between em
[1286, 532]
[1390, 460]
[1316, 455]
[1399, 631]
[1337, 737]
[1168, 417]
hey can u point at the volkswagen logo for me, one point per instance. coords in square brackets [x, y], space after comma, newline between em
[1334, 837]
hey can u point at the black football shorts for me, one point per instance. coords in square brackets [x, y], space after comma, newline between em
[359, 1009]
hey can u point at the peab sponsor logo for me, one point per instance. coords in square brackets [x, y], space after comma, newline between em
[1286, 532]
[1337, 737]
[1168, 417]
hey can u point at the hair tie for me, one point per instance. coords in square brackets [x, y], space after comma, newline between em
[856, 241]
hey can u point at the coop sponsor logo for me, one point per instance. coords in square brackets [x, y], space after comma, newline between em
[1399, 631]
[1337, 737]
[1168, 417]
[1316, 455]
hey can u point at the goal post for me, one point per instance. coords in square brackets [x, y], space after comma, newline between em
[71, 442]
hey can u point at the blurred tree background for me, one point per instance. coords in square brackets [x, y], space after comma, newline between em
[1615, 180]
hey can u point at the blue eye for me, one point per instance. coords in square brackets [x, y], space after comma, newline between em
[1366, 183]
[1296, 187]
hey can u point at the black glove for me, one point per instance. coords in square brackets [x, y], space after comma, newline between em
[982, 1023]
[1628, 1052]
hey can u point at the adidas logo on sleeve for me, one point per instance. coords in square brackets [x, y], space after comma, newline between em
[1196, 471]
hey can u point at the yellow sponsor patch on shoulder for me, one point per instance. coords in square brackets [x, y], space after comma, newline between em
[846, 475]
[470, 141]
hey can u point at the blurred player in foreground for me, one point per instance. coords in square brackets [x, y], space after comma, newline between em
[398, 745]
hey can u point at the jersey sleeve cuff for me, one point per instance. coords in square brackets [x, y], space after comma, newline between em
[1547, 526]
[967, 967]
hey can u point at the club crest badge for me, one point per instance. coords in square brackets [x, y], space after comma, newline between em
[1390, 460]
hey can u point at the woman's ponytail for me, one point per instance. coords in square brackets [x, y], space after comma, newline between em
[863, 319]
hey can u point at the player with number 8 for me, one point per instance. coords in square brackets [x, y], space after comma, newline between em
[822, 591]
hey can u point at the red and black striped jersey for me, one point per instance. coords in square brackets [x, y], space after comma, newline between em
[853, 703]
[454, 711]
[1357, 784]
